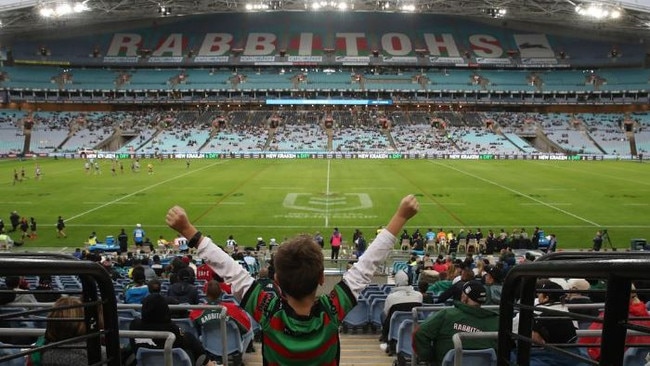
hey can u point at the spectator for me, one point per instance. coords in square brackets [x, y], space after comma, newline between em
[213, 295]
[138, 236]
[455, 290]
[427, 297]
[149, 272]
[183, 289]
[137, 290]
[548, 328]
[402, 297]
[598, 241]
[441, 285]
[637, 309]
[74, 353]
[14, 284]
[6, 242]
[336, 240]
[433, 338]
[157, 265]
[493, 285]
[283, 319]
[580, 285]
[156, 316]
[123, 241]
[45, 293]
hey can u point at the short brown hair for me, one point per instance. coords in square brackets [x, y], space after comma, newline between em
[299, 266]
[57, 330]
[213, 291]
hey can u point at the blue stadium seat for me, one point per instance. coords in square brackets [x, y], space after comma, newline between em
[186, 325]
[358, 316]
[404, 346]
[472, 357]
[376, 309]
[156, 357]
[396, 320]
[5, 350]
[636, 356]
[213, 342]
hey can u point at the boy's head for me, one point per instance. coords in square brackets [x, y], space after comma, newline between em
[299, 258]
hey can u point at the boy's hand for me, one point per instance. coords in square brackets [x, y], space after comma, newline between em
[408, 207]
[177, 219]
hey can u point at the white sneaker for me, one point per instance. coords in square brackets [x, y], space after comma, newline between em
[384, 347]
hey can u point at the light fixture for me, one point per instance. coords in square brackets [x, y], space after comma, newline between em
[325, 4]
[599, 11]
[62, 9]
[496, 12]
[164, 10]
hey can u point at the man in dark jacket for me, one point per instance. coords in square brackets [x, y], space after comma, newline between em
[433, 338]
[183, 289]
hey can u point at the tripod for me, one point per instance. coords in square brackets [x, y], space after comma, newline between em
[609, 241]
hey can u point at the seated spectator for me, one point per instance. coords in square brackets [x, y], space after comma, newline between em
[137, 290]
[157, 266]
[156, 316]
[433, 338]
[45, 292]
[401, 297]
[149, 272]
[213, 294]
[455, 290]
[579, 284]
[441, 285]
[637, 309]
[493, 285]
[183, 289]
[427, 297]
[18, 284]
[548, 328]
[58, 330]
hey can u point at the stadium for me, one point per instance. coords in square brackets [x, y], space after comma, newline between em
[519, 127]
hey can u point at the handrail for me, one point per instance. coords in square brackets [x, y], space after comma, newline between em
[222, 315]
[170, 338]
[618, 270]
[458, 338]
[93, 277]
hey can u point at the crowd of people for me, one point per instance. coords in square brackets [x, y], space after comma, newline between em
[462, 285]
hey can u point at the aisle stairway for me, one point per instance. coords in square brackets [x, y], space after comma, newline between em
[356, 349]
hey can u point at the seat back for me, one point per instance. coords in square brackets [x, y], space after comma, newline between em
[472, 357]
[212, 339]
[637, 356]
[376, 309]
[186, 325]
[396, 320]
[358, 316]
[156, 357]
[6, 351]
[405, 339]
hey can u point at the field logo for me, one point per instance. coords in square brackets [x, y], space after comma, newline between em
[327, 203]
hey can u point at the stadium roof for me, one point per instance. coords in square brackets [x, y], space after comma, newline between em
[22, 16]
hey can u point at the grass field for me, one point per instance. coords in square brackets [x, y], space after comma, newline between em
[280, 198]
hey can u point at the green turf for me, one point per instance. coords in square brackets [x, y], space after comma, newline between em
[280, 198]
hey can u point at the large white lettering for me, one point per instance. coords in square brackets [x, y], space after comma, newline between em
[435, 45]
[172, 46]
[124, 44]
[215, 44]
[485, 45]
[351, 42]
[396, 44]
[305, 44]
[259, 44]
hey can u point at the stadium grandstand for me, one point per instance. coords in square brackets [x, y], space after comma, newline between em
[122, 81]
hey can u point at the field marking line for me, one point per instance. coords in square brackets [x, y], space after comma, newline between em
[520, 193]
[142, 190]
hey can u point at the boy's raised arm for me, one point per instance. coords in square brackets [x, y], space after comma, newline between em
[220, 262]
[360, 275]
